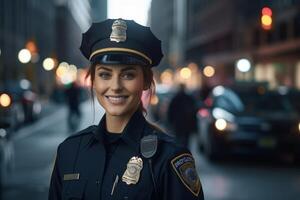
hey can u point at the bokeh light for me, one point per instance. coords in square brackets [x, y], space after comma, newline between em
[66, 73]
[221, 124]
[5, 100]
[266, 11]
[166, 77]
[25, 84]
[243, 65]
[185, 73]
[24, 56]
[209, 71]
[266, 20]
[154, 100]
[48, 64]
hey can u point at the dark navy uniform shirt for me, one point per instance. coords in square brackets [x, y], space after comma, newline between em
[91, 166]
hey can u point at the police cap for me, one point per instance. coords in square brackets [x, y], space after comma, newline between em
[119, 41]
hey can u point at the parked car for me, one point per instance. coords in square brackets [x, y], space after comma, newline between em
[18, 105]
[250, 121]
[11, 113]
[294, 97]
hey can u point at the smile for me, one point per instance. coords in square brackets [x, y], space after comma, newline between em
[117, 99]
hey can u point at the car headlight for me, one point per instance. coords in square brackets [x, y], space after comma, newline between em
[222, 125]
[5, 100]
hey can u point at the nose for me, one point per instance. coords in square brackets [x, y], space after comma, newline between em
[116, 84]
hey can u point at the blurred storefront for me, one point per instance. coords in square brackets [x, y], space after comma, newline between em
[220, 33]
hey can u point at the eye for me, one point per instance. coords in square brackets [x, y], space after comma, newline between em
[128, 75]
[104, 75]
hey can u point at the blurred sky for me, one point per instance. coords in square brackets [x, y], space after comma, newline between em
[129, 9]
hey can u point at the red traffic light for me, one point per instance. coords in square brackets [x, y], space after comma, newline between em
[266, 11]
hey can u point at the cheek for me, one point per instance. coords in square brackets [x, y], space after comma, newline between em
[137, 87]
[98, 88]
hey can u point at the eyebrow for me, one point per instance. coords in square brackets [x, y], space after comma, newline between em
[122, 70]
[128, 68]
[102, 67]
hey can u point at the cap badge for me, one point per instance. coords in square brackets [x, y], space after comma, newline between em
[132, 173]
[118, 33]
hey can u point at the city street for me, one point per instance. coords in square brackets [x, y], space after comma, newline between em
[246, 179]
[226, 70]
[34, 149]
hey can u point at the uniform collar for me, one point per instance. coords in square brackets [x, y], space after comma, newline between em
[132, 133]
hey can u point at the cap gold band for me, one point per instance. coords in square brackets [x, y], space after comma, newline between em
[122, 50]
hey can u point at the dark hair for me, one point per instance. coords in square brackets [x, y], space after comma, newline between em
[148, 82]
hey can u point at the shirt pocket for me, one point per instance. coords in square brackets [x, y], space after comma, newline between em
[74, 190]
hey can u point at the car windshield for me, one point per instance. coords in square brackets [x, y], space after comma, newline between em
[249, 100]
[266, 102]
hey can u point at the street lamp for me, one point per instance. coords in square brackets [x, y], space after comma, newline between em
[24, 56]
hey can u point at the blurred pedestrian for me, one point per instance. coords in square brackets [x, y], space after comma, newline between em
[182, 115]
[72, 95]
[124, 156]
[201, 95]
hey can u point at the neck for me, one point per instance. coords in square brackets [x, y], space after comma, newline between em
[116, 124]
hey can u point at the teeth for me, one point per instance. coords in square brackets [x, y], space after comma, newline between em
[116, 100]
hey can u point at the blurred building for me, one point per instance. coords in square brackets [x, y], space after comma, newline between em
[168, 20]
[219, 33]
[22, 23]
[162, 24]
[49, 28]
[222, 32]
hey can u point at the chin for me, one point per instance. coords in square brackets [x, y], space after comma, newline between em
[117, 112]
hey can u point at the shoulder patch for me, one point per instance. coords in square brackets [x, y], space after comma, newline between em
[184, 166]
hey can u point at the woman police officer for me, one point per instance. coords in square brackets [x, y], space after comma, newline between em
[124, 157]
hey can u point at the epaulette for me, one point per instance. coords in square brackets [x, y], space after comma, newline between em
[85, 131]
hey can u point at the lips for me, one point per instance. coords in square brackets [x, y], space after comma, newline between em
[117, 99]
